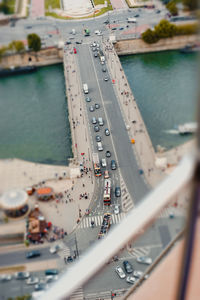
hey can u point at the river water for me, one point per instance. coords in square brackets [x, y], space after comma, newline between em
[34, 116]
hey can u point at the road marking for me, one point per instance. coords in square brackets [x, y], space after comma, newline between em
[86, 222]
[77, 294]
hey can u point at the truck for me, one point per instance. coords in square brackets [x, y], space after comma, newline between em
[107, 192]
[96, 164]
[131, 20]
[85, 88]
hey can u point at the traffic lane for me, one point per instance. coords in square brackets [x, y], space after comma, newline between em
[19, 257]
[15, 288]
[125, 155]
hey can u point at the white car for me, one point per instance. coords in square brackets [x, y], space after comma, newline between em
[116, 209]
[32, 280]
[51, 278]
[120, 272]
[54, 249]
[137, 274]
[130, 279]
[5, 277]
[144, 260]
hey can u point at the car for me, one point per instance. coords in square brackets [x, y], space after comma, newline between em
[32, 254]
[137, 274]
[97, 105]
[130, 279]
[51, 272]
[91, 108]
[157, 11]
[144, 260]
[116, 209]
[54, 249]
[28, 27]
[68, 43]
[106, 174]
[103, 62]
[113, 165]
[117, 191]
[106, 78]
[78, 42]
[107, 132]
[75, 51]
[120, 272]
[121, 28]
[104, 69]
[69, 259]
[106, 22]
[114, 28]
[51, 278]
[136, 16]
[22, 275]
[96, 128]
[127, 266]
[88, 99]
[98, 138]
[94, 44]
[94, 120]
[40, 287]
[103, 163]
[95, 54]
[108, 153]
[5, 277]
[94, 49]
[32, 280]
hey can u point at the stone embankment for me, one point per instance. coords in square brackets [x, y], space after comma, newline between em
[135, 46]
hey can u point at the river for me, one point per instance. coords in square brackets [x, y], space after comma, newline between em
[34, 122]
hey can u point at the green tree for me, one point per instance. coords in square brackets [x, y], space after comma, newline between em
[149, 36]
[165, 29]
[171, 6]
[17, 46]
[191, 4]
[34, 42]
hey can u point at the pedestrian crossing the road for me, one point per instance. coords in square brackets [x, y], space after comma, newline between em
[86, 222]
[127, 202]
[140, 251]
[77, 295]
[65, 252]
[173, 211]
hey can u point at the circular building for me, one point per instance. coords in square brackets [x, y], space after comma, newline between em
[45, 193]
[14, 203]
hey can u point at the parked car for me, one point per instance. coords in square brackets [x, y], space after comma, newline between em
[22, 275]
[106, 78]
[88, 99]
[51, 272]
[97, 105]
[40, 287]
[120, 272]
[54, 249]
[130, 279]
[32, 280]
[108, 153]
[94, 120]
[98, 138]
[144, 260]
[5, 277]
[116, 209]
[96, 128]
[113, 165]
[117, 191]
[127, 266]
[91, 108]
[137, 274]
[32, 254]
[107, 132]
[51, 278]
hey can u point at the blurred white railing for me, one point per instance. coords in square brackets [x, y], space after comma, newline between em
[130, 228]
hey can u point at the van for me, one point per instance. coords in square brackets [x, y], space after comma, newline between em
[100, 121]
[85, 88]
[103, 163]
[99, 146]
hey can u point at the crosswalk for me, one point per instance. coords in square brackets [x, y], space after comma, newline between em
[176, 211]
[77, 295]
[65, 252]
[140, 251]
[86, 222]
[127, 202]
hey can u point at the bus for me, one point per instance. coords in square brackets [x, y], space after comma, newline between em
[107, 192]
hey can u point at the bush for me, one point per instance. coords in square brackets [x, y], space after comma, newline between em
[191, 4]
[17, 46]
[165, 29]
[149, 36]
[186, 29]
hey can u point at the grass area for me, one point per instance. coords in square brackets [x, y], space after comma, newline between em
[97, 2]
[52, 3]
[12, 269]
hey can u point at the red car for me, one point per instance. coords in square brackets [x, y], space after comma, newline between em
[75, 51]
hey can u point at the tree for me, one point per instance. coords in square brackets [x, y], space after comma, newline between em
[149, 36]
[17, 46]
[191, 4]
[165, 29]
[171, 6]
[4, 8]
[34, 42]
